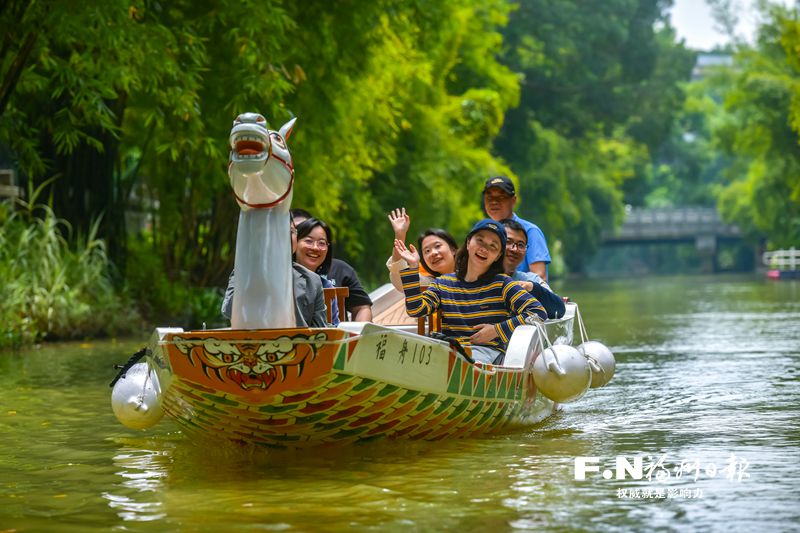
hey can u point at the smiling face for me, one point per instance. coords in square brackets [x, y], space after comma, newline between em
[312, 249]
[516, 245]
[498, 203]
[483, 248]
[438, 255]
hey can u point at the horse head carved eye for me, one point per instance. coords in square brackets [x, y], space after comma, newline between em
[272, 357]
[277, 139]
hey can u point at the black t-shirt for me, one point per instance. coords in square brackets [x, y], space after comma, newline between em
[343, 275]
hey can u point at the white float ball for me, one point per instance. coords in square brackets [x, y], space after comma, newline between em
[562, 373]
[601, 360]
[136, 397]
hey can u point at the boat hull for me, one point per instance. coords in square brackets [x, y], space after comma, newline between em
[305, 387]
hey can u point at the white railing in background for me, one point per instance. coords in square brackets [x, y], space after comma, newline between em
[782, 259]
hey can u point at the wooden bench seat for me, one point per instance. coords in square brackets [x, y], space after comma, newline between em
[339, 293]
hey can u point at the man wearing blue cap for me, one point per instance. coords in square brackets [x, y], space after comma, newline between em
[499, 199]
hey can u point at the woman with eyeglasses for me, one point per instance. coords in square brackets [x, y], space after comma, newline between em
[309, 298]
[435, 252]
[481, 306]
[315, 252]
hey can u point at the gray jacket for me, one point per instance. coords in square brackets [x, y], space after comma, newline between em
[309, 300]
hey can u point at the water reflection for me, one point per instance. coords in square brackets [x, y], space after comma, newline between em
[144, 471]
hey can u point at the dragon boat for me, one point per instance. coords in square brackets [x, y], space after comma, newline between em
[265, 381]
[302, 387]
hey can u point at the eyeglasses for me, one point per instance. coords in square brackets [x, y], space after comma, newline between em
[322, 244]
[516, 245]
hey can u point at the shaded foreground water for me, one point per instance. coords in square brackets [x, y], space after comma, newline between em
[708, 376]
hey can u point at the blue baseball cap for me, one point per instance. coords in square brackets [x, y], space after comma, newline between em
[490, 225]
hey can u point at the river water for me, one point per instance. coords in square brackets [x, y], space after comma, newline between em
[706, 398]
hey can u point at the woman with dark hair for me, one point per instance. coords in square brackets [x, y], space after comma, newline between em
[315, 252]
[309, 299]
[437, 251]
[481, 306]
[436, 255]
[314, 245]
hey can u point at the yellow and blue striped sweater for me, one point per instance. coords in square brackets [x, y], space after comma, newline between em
[466, 304]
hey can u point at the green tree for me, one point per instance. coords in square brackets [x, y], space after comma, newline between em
[137, 113]
[600, 89]
[688, 167]
[403, 115]
[111, 95]
[762, 131]
[129, 105]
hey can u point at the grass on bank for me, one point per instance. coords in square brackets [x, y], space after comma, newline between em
[54, 290]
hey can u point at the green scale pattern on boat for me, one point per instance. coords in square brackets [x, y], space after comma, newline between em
[345, 408]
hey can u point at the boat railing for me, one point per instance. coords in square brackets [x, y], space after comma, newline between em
[430, 323]
[782, 259]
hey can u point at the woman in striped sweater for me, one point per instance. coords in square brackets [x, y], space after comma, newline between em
[481, 306]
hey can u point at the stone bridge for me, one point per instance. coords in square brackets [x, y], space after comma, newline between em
[699, 225]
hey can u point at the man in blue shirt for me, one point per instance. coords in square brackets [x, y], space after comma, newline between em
[499, 199]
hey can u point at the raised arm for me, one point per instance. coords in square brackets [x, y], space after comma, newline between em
[418, 303]
[400, 222]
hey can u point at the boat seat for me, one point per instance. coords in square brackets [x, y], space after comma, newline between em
[429, 323]
[339, 293]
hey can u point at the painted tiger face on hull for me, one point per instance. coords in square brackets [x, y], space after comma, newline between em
[251, 365]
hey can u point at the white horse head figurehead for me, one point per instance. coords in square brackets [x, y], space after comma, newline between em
[260, 167]
[262, 177]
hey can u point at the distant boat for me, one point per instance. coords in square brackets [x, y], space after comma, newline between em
[782, 264]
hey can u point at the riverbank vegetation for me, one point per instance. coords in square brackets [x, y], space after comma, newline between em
[57, 285]
[121, 111]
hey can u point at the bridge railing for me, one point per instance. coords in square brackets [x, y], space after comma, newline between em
[667, 223]
[782, 259]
